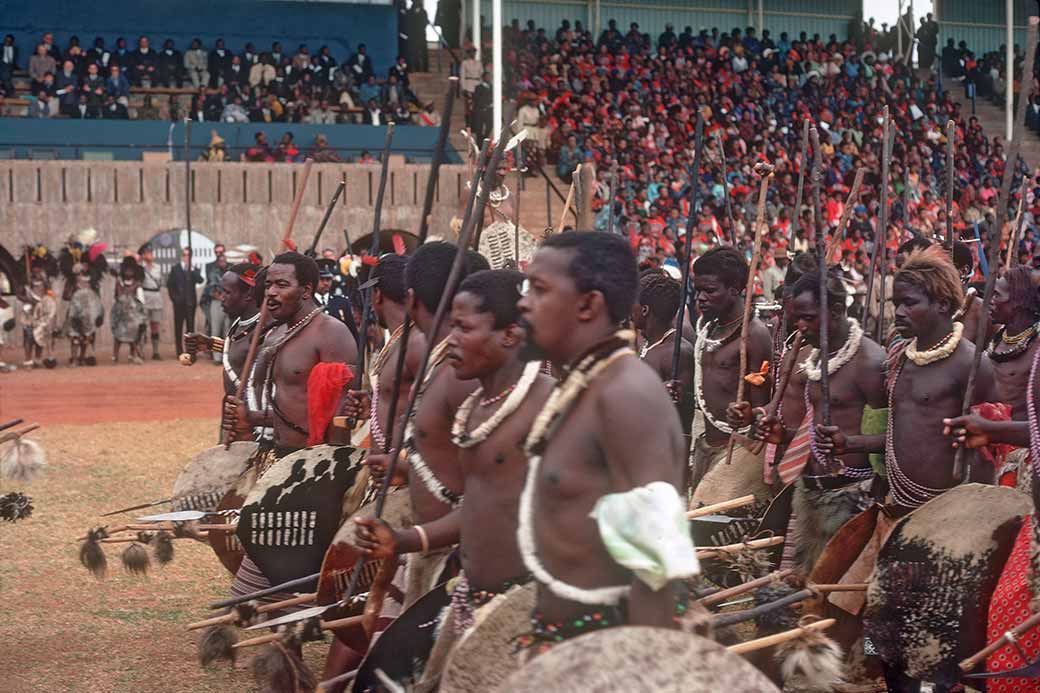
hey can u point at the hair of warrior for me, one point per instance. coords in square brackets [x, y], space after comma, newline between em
[932, 271]
[810, 282]
[390, 272]
[725, 262]
[498, 291]
[914, 243]
[802, 263]
[601, 262]
[428, 269]
[1022, 290]
[962, 258]
[661, 294]
[306, 268]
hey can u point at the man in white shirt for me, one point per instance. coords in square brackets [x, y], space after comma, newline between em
[153, 300]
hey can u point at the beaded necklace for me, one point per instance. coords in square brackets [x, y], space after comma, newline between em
[811, 365]
[1019, 343]
[698, 378]
[1034, 416]
[850, 472]
[375, 428]
[564, 395]
[705, 329]
[232, 337]
[944, 349]
[647, 348]
[517, 393]
[266, 400]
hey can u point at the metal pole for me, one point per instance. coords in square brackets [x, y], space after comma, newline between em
[1009, 83]
[187, 195]
[761, 18]
[462, 25]
[476, 33]
[496, 68]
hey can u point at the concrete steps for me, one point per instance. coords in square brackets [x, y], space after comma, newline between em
[991, 117]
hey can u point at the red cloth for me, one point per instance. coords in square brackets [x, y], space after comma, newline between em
[994, 453]
[1009, 607]
[324, 389]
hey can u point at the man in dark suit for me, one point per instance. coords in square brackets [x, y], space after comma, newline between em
[182, 295]
[335, 305]
[8, 64]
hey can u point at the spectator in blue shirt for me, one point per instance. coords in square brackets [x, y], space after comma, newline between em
[117, 85]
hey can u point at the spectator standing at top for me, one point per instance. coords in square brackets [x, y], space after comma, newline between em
[219, 62]
[928, 36]
[39, 65]
[480, 121]
[216, 319]
[67, 89]
[169, 65]
[470, 77]
[196, 64]
[416, 21]
[145, 63]
[8, 64]
[181, 287]
[360, 65]
[447, 17]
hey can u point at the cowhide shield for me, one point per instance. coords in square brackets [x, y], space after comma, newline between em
[402, 649]
[637, 658]
[928, 598]
[292, 513]
[498, 242]
[343, 553]
[486, 655]
[210, 475]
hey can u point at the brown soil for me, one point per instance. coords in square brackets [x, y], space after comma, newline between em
[113, 436]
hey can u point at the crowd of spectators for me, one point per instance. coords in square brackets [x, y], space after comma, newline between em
[274, 85]
[629, 105]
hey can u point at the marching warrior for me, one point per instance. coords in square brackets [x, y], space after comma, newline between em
[489, 430]
[830, 491]
[600, 491]
[720, 277]
[653, 316]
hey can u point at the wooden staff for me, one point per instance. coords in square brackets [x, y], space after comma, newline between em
[753, 545]
[262, 609]
[821, 251]
[716, 508]
[795, 221]
[846, 214]
[684, 289]
[950, 135]
[247, 367]
[886, 162]
[996, 233]
[15, 435]
[729, 593]
[766, 171]
[780, 638]
[570, 199]
[329, 209]
[518, 158]
[337, 624]
[297, 201]
[142, 506]
[1015, 633]
[880, 234]
[610, 197]
[810, 592]
[785, 376]
[10, 424]
[1016, 230]
[187, 192]
[725, 187]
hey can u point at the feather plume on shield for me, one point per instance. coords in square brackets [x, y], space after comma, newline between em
[162, 547]
[279, 668]
[217, 644]
[812, 661]
[90, 553]
[15, 506]
[23, 460]
[135, 556]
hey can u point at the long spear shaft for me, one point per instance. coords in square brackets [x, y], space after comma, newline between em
[610, 199]
[879, 237]
[328, 214]
[684, 290]
[725, 189]
[886, 160]
[821, 251]
[796, 220]
[519, 158]
[950, 132]
[995, 234]
[187, 196]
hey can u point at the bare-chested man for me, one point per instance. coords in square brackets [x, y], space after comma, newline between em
[654, 318]
[430, 457]
[606, 443]
[720, 278]
[239, 302]
[302, 337]
[830, 491]
[489, 429]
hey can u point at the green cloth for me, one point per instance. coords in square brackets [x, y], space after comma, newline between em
[874, 423]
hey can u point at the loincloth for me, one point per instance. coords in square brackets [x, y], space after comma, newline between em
[820, 513]
[1010, 606]
[457, 621]
[714, 481]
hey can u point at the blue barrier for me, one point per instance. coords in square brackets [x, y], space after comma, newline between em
[340, 26]
[125, 140]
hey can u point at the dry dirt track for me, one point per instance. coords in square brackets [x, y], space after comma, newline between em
[113, 436]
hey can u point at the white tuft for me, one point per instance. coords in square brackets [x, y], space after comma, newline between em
[22, 461]
[814, 660]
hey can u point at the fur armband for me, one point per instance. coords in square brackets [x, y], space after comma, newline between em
[646, 531]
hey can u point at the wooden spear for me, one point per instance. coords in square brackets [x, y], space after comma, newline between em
[329, 209]
[996, 233]
[725, 187]
[795, 221]
[780, 638]
[684, 289]
[950, 135]
[886, 161]
[336, 624]
[610, 198]
[1016, 230]
[817, 180]
[846, 214]
[570, 198]
[880, 235]
[262, 609]
[286, 244]
[1016, 632]
[715, 508]
[766, 172]
[744, 588]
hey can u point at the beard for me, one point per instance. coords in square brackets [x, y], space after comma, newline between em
[530, 349]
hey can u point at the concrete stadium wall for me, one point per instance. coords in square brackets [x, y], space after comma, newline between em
[129, 202]
[982, 25]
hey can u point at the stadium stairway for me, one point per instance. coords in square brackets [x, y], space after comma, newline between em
[991, 117]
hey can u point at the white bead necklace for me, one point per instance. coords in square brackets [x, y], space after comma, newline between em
[462, 439]
[848, 350]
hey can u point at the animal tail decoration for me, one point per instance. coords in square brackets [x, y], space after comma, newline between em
[23, 460]
[812, 661]
[217, 644]
[15, 506]
[162, 547]
[90, 553]
[279, 667]
[135, 556]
